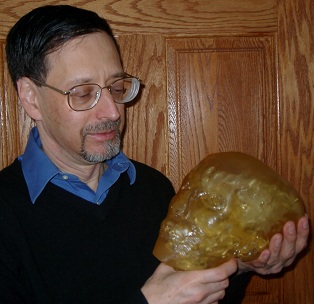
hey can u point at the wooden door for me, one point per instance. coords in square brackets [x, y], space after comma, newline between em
[218, 75]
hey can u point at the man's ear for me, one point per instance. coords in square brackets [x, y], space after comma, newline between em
[28, 95]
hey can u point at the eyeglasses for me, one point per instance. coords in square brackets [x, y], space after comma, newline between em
[84, 97]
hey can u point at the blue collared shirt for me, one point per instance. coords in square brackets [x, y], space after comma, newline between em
[39, 170]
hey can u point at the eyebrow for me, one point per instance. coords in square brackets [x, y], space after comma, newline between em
[83, 80]
[78, 81]
[118, 74]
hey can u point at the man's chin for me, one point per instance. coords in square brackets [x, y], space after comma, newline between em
[96, 153]
[97, 157]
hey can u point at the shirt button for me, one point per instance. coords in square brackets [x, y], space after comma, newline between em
[65, 177]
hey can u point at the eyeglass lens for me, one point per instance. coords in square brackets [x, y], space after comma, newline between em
[86, 96]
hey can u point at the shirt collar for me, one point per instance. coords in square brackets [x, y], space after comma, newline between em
[38, 169]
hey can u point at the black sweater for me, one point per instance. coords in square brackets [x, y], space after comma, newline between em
[63, 249]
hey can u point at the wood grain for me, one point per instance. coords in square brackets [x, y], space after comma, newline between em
[296, 82]
[222, 97]
[217, 75]
[146, 125]
[164, 16]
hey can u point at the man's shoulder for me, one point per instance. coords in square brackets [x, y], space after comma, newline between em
[11, 175]
[150, 180]
[141, 166]
[15, 165]
[13, 188]
[144, 171]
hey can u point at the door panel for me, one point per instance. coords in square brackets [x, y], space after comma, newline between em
[217, 76]
[222, 97]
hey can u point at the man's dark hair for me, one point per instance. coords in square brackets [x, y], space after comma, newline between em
[44, 30]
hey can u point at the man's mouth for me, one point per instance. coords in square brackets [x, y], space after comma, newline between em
[102, 136]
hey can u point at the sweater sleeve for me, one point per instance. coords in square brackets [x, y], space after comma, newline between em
[12, 289]
[137, 298]
[16, 279]
[235, 292]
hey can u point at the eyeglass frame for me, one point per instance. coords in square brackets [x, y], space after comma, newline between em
[67, 93]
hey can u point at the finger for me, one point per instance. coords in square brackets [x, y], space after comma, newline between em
[214, 298]
[293, 241]
[263, 258]
[214, 291]
[302, 234]
[282, 249]
[196, 292]
[271, 256]
[288, 249]
[220, 273]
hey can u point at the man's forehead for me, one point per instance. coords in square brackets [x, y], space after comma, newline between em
[81, 57]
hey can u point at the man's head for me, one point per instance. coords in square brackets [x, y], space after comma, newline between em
[43, 31]
[67, 69]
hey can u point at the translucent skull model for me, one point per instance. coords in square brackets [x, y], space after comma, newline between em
[228, 206]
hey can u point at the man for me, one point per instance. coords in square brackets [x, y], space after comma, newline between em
[78, 219]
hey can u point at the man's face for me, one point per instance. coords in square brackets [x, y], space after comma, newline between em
[88, 136]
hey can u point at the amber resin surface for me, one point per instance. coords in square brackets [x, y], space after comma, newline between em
[228, 206]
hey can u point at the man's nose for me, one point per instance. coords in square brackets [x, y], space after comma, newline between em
[106, 106]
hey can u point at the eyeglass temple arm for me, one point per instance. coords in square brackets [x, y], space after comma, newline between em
[50, 87]
[131, 76]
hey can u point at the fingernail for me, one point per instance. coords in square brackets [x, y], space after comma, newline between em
[278, 242]
[306, 225]
[292, 230]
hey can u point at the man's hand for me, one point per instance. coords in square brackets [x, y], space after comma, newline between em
[282, 250]
[167, 286]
